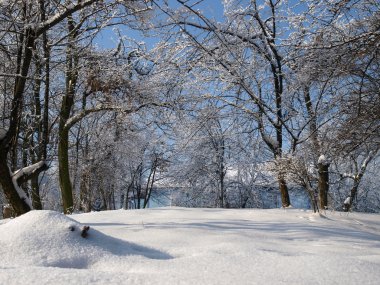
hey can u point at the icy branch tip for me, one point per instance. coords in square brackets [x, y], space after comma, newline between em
[323, 160]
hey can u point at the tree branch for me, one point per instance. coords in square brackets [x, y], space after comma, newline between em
[57, 18]
[76, 118]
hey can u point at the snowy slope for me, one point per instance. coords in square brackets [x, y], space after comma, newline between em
[191, 246]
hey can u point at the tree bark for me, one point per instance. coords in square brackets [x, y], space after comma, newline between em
[64, 172]
[36, 198]
[85, 193]
[8, 143]
[10, 139]
[285, 200]
[323, 184]
[66, 107]
[45, 117]
[323, 168]
[357, 179]
[36, 151]
[19, 205]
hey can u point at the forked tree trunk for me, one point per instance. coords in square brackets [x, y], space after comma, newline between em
[10, 139]
[24, 56]
[323, 167]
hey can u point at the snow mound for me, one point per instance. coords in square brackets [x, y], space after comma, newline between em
[210, 246]
[51, 239]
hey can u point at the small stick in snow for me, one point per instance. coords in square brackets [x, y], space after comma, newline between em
[84, 233]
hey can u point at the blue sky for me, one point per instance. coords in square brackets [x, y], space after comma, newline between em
[109, 38]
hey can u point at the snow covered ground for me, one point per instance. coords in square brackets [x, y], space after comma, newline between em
[191, 246]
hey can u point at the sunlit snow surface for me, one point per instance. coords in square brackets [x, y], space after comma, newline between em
[191, 246]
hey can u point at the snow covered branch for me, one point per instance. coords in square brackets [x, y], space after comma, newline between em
[76, 118]
[60, 16]
[24, 174]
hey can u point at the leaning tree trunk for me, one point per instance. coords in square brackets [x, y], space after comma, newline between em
[19, 205]
[9, 139]
[150, 182]
[357, 179]
[29, 33]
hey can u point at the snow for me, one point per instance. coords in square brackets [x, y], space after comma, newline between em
[191, 246]
[323, 160]
[28, 170]
[22, 193]
[25, 171]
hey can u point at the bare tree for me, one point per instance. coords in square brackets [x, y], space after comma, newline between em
[23, 36]
[333, 56]
[244, 54]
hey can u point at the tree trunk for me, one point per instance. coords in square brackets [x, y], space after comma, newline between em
[45, 116]
[36, 199]
[323, 167]
[19, 205]
[138, 191]
[35, 147]
[323, 184]
[357, 179]
[312, 196]
[67, 104]
[85, 193]
[9, 141]
[285, 200]
[221, 170]
[64, 172]
[8, 144]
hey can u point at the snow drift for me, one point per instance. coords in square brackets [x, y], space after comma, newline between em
[51, 239]
[191, 246]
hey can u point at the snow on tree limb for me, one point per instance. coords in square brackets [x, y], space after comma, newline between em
[348, 175]
[60, 16]
[29, 170]
[24, 174]
[323, 160]
[76, 118]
